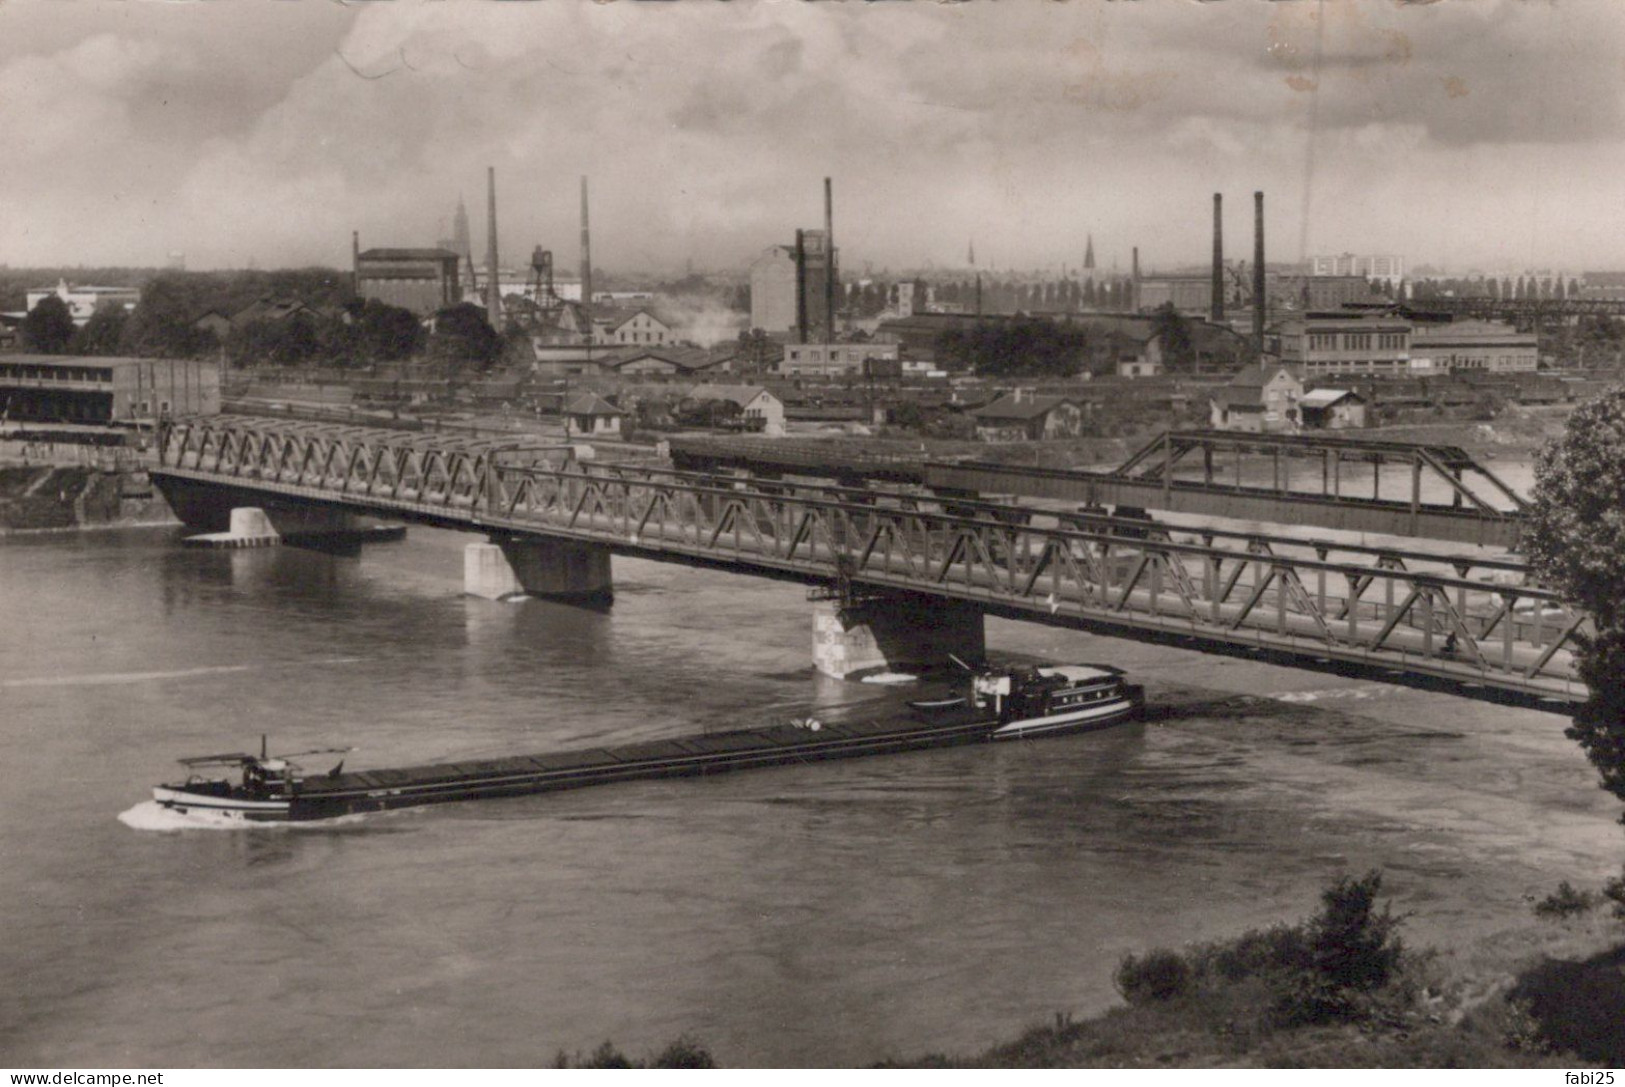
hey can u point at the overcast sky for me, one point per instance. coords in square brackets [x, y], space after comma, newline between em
[1473, 133]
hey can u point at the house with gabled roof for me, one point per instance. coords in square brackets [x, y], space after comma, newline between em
[639, 325]
[1332, 409]
[1021, 416]
[657, 360]
[269, 310]
[589, 415]
[1261, 398]
[754, 402]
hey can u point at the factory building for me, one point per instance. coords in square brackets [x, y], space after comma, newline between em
[836, 359]
[101, 390]
[1476, 345]
[421, 280]
[1349, 342]
[783, 293]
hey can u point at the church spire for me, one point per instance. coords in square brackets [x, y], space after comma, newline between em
[1089, 255]
[460, 241]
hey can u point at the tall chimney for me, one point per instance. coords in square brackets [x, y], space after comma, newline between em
[355, 263]
[586, 249]
[1259, 300]
[801, 286]
[1217, 307]
[829, 263]
[493, 288]
[1134, 285]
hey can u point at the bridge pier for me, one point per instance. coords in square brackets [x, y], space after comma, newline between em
[252, 526]
[894, 632]
[557, 569]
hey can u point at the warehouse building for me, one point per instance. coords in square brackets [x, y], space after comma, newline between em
[101, 390]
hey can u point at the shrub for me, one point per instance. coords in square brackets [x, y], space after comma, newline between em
[685, 1052]
[1261, 953]
[606, 1056]
[1565, 902]
[1614, 891]
[1157, 975]
[1351, 944]
[1351, 952]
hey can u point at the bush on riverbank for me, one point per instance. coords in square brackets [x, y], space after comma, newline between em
[683, 1052]
[1341, 990]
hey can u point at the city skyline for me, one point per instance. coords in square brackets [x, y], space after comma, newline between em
[1486, 136]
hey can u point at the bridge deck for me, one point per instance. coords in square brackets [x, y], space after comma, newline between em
[1465, 620]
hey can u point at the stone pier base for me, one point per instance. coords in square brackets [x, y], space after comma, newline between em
[895, 633]
[535, 567]
[250, 527]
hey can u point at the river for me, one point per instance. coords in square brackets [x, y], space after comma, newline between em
[831, 914]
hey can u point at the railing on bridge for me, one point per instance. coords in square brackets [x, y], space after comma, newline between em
[1468, 621]
[1431, 491]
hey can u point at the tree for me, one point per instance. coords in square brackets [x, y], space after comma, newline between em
[1023, 347]
[101, 333]
[1575, 541]
[161, 324]
[756, 350]
[386, 333]
[279, 343]
[462, 334]
[1178, 353]
[48, 326]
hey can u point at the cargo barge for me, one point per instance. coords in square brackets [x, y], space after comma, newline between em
[1001, 705]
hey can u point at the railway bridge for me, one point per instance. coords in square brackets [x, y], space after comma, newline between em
[906, 575]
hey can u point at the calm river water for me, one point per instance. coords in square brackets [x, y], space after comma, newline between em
[832, 914]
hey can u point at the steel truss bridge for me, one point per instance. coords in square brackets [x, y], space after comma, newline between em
[1210, 473]
[1469, 624]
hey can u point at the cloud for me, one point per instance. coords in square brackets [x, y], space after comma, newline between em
[238, 130]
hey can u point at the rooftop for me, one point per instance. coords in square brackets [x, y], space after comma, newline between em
[738, 394]
[1325, 398]
[409, 254]
[591, 404]
[1022, 409]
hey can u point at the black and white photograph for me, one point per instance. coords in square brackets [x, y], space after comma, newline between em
[800, 534]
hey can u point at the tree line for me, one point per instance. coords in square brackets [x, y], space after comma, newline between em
[330, 329]
[1040, 347]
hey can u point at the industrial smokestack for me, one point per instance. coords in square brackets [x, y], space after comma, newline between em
[1134, 283]
[1258, 272]
[586, 249]
[493, 288]
[355, 263]
[829, 263]
[801, 286]
[1217, 307]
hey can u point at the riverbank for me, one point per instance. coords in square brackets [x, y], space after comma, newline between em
[43, 498]
[1546, 994]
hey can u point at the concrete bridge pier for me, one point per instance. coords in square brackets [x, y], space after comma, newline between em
[530, 566]
[895, 632]
[310, 526]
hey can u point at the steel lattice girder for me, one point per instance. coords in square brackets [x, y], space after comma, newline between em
[1376, 607]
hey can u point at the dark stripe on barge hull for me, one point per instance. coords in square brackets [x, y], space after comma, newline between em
[376, 790]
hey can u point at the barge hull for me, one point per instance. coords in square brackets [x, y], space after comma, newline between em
[326, 798]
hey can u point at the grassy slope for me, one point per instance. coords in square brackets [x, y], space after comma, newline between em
[1447, 1010]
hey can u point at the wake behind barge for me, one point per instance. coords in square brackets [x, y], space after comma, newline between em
[1001, 705]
